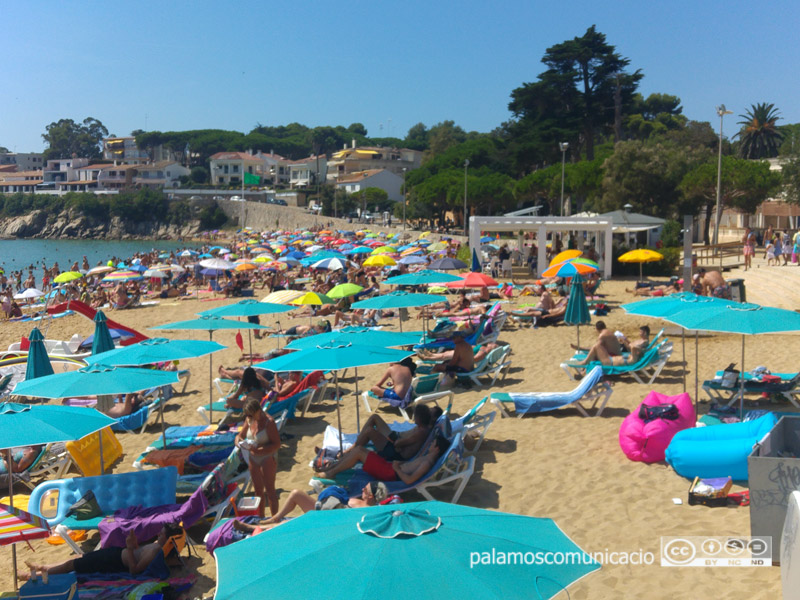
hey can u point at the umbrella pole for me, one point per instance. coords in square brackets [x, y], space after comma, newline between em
[11, 504]
[358, 416]
[250, 342]
[210, 383]
[741, 386]
[338, 414]
[640, 272]
[578, 327]
[696, 399]
[683, 344]
[161, 414]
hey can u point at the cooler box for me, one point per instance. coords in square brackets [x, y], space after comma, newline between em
[248, 507]
[774, 473]
[58, 587]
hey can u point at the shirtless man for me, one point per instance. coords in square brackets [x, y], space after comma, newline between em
[448, 354]
[383, 470]
[714, 285]
[401, 375]
[463, 360]
[544, 307]
[599, 352]
[607, 339]
[133, 558]
[392, 445]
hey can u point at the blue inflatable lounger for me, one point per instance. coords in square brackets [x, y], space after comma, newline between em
[717, 450]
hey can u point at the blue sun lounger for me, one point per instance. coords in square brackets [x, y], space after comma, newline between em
[592, 388]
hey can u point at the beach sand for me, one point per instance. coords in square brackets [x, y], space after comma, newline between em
[557, 465]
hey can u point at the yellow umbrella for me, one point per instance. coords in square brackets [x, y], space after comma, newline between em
[313, 298]
[565, 256]
[67, 276]
[263, 259]
[384, 250]
[437, 247]
[379, 260]
[283, 296]
[641, 255]
[424, 234]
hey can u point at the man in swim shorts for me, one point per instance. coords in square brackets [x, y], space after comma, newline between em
[401, 374]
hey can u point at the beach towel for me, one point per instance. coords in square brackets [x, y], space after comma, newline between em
[225, 534]
[100, 586]
[310, 380]
[146, 523]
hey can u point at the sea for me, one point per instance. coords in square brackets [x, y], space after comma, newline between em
[25, 254]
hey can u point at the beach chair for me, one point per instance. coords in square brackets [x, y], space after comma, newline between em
[581, 355]
[788, 388]
[316, 397]
[493, 365]
[223, 486]
[474, 425]
[280, 410]
[592, 388]
[52, 461]
[424, 389]
[645, 370]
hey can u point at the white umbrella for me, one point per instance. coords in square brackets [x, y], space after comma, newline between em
[217, 263]
[155, 274]
[100, 270]
[176, 269]
[28, 294]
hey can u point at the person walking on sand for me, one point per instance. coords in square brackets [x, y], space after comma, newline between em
[749, 241]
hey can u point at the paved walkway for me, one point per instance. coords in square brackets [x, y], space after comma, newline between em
[770, 285]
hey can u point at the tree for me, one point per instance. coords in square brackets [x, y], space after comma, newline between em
[745, 185]
[584, 90]
[417, 137]
[4, 150]
[357, 128]
[790, 174]
[655, 115]
[199, 175]
[442, 137]
[759, 136]
[66, 138]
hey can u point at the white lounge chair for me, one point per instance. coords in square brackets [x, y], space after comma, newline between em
[424, 389]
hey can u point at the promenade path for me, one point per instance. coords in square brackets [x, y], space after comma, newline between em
[777, 286]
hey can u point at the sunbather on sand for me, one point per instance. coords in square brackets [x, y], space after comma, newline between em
[599, 352]
[322, 326]
[380, 468]
[237, 373]
[133, 559]
[367, 318]
[657, 290]
[557, 309]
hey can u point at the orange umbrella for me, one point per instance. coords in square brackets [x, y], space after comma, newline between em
[473, 280]
[568, 268]
[564, 256]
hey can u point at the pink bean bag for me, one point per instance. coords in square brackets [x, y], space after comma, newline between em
[647, 441]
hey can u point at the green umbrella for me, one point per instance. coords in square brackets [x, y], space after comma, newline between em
[460, 541]
[399, 300]
[577, 309]
[102, 341]
[422, 278]
[334, 358]
[210, 324]
[38, 361]
[343, 290]
[30, 425]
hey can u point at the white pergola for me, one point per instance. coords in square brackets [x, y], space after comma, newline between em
[601, 227]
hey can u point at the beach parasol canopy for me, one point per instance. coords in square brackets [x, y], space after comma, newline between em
[577, 309]
[282, 296]
[332, 264]
[565, 256]
[101, 341]
[424, 277]
[398, 300]
[449, 538]
[94, 380]
[246, 308]
[38, 362]
[473, 280]
[28, 294]
[380, 260]
[122, 276]
[102, 269]
[344, 290]
[362, 336]
[570, 268]
[155, 274]
[155, 350]
[313, 299]
[447, 264]
[67, 276]
[217, 263]
[641, 256]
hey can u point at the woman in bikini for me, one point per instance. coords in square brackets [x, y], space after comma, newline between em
[260, 438]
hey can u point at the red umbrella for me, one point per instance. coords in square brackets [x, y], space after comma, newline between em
[473, 280]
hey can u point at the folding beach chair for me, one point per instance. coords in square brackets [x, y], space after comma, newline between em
[592, 388]
[424, 389]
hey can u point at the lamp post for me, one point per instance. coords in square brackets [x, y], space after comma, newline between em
[564, 146]
[466, 164]
[721, 111]
[404, 198]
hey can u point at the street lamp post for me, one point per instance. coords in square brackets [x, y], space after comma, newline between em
[721, 111]
[404, 198]
[466, 164]
[563, 146]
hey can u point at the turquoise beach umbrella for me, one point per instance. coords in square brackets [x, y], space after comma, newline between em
[362, 336]
[210, 324]
[577, 309]
[38, 361]
[399, 299]
[422, 278]
[102, 341]
[443, 538]
[335, 357]
[246, 308]
[156, 350]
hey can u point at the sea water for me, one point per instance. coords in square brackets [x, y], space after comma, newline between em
[24, 254]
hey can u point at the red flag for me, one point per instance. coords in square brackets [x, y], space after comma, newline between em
[240, 340]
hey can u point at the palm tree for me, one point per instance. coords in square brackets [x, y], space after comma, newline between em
[759, 136]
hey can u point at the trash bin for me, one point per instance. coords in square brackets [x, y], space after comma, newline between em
[737, 290]
[773, 469]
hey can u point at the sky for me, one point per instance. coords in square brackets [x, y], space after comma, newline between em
[176, 65]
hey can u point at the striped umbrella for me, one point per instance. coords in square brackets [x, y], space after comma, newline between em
[283, 296]
[16, 525]
[122, 276]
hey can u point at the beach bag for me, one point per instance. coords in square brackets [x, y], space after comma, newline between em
[649, 413]
[730, 377]
[86, 508]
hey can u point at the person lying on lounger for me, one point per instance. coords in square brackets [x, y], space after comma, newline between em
[557, 309]
[21, 458]
[657, 290]
[448, 354]
[133, 559]
[599, 352]
[380, 468]
[130, 404]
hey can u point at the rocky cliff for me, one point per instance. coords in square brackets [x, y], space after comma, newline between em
[73, 225]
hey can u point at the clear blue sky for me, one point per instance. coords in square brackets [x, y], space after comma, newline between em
[179, 65]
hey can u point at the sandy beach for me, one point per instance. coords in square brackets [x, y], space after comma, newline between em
[557, 465]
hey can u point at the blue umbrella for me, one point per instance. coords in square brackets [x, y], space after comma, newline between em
[422, 278]
[333, 264]
[333, 358]
[116, 334]
[412, 260]
[360, 250]
[138, 268]
[38, 361]
[155, 350]
[577, 308]
[486, 239]
[444, 538]
[210, 324]
[34, 425]
[102, 338]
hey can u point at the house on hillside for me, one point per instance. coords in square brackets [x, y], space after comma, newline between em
[275, 168]
[24, 161]
[124, 151]
[19, 181]
[58, 171]
[356, 160]
[303, 173]
[160, 175]
[374, 178]
[227, 168]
